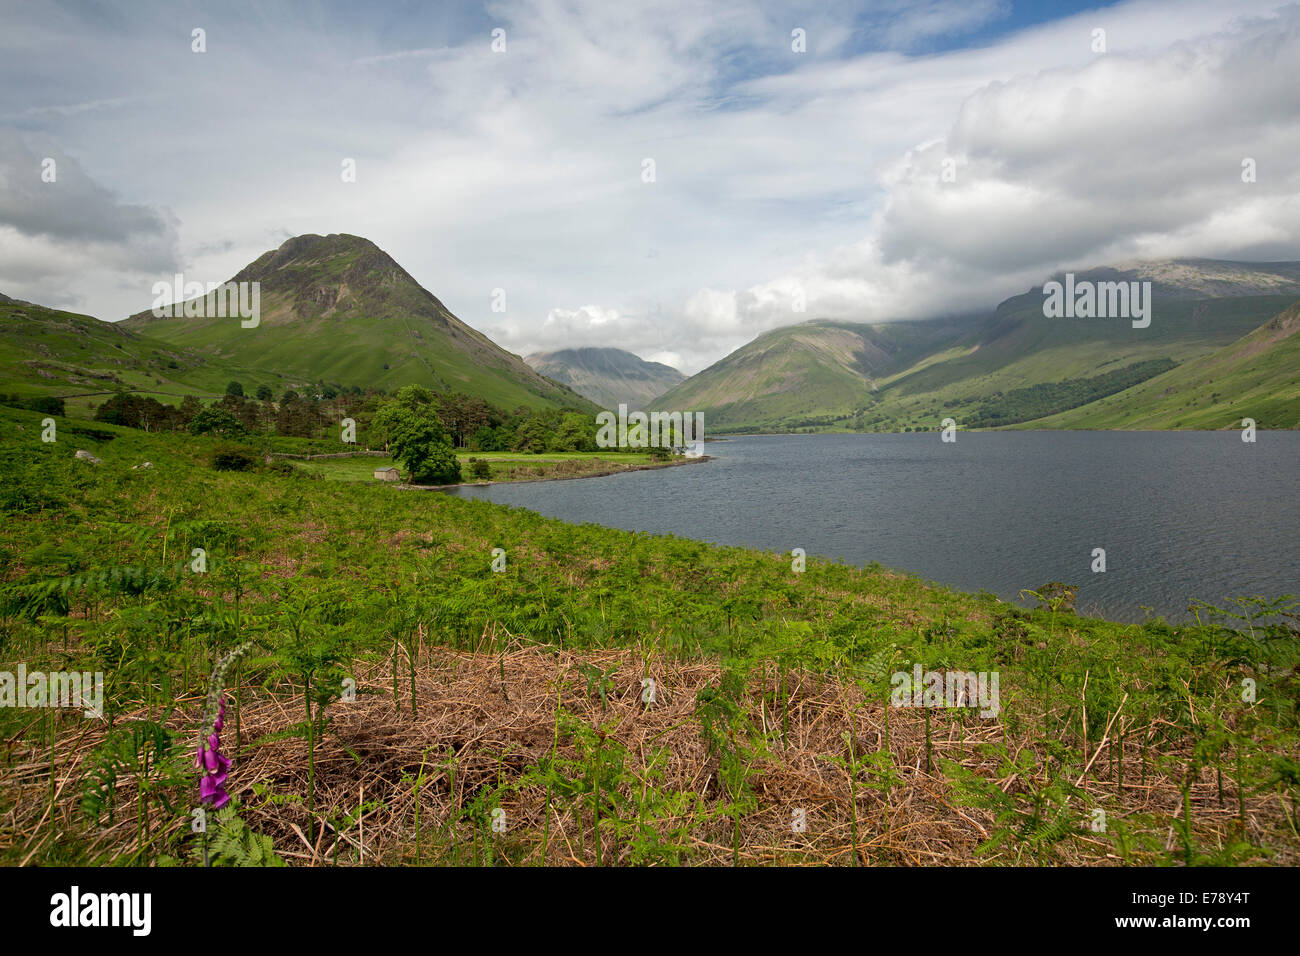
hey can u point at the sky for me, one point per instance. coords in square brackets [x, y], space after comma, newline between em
[671, 178]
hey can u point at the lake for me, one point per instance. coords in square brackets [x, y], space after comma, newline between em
[1181, 515]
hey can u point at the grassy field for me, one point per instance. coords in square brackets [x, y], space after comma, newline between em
[424, 679]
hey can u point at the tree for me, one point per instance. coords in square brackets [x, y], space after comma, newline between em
[216, 420]
[485, 439]
[118, 410]
[440, 465]
[531, 436]
[416, 398]
[409, 426]
[298, 419]
[574, 434]
[234, 388]
[190, 406]
[264, 393]
[248, 413]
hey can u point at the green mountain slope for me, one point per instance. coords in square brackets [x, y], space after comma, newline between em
[806, 375]
[339, 309]
[607, 376]
[83, 359]
[997, 367]
[1256, 377]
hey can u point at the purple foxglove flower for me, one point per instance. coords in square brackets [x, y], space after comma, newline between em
[208, 758]
[213, 790]
[214, 761]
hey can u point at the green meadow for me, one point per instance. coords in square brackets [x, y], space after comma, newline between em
[421, 679]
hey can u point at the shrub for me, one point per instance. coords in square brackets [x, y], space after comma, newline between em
[440, 466]
[234, 458]
[479, 469]
[46, 405]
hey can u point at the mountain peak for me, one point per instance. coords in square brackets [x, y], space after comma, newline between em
[338, 308]
[313, 245]
[330, 259]
[608, 376]
[1191, 277]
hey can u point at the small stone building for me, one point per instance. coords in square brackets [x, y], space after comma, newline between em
[387, 474]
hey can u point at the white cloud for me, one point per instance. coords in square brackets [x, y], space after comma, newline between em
[778, 174]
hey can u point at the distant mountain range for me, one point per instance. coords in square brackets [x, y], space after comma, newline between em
[607, 376]
[1016, 366]
[1221, 346]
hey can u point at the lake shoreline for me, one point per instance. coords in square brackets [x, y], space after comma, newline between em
[1005, 429]
[998, 513]
[405, 486]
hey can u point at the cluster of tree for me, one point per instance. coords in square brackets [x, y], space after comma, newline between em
[473, 424]
[303, 416]
[466, 421]
[537, 431]
[45, 404]
[811, 422]
[312, 415]
[419, 428]
[145, 412]
[476, 425]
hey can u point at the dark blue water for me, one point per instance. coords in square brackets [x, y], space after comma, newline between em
[1181, 516]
